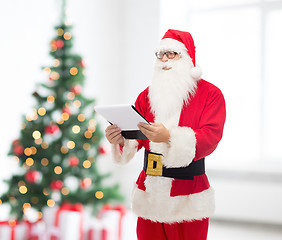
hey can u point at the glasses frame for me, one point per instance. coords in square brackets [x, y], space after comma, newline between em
[158, 54]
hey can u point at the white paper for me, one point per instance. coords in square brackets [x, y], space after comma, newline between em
[122, 115]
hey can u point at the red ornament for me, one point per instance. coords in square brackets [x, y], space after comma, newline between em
[32, 176]
[56, 185]
[59, 43]
[81, 63]
[66, 110]
[102, 150]
[18, 150]
[16, 142]
[85, 183]
[51, 129]
[73, 161]
[76, 89]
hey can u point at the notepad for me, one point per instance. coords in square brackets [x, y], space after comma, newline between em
[127, 117]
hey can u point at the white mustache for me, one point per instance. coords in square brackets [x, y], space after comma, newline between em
[162, 65]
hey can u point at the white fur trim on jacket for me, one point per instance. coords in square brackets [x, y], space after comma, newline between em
[182, 147]
[160, 207]
[128, 151]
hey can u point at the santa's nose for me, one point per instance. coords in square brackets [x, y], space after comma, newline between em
[164, 58]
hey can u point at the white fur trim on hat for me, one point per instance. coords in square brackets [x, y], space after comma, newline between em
[182, 147]
[128, 151]
[169, 44]
[159, 206]
[196, 72]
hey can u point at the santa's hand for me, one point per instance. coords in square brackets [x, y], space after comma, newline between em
[113, 134]
[155, 132]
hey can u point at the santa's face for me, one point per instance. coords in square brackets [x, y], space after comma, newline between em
[166, 57]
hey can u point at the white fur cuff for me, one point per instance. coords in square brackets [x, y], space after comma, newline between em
[182, 148]
[128, 151]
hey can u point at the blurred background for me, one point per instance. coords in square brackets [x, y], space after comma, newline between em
[238, 46]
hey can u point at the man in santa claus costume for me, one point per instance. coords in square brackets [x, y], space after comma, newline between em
[172, 196]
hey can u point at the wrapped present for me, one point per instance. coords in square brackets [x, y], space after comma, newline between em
[65, 222]
[37, 231]
[112, 217]
[119, 222]
[98, 230]
[14, 230]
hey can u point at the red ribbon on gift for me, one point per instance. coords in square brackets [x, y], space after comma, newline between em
[122, 211]
[104, 234]
[13, 225]
[29, 227]
[66, 206]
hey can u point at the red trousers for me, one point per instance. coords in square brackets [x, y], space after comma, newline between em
[195, 230]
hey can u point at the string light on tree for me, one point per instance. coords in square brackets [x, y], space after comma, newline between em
[44, 145]
[86, 146]
[36, 134]
[67, 36]
[99, 194]
[54, 76]
[71, 144]
[38, 141]
[81, 117]
[58, 170]
[44, 161]
[76, 129]
[47, 70]
[60, 32]
[77, 103]
[86, 164]
[50, 99]
[27, 151]
[73, 71]
[23, 189]
[65, 191]
[88, 134]
[29, 162]
[70, 95]
[42, 111]
[64, 150]
[50, 203]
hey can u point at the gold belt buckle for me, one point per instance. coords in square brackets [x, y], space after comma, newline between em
[154, 166]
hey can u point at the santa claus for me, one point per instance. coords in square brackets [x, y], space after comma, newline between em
[172, 197]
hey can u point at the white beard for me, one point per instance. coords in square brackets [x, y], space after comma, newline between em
[170, 89]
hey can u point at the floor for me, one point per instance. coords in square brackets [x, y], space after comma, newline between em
[220, 230]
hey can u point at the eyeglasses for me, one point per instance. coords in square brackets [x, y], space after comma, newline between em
[169, 54]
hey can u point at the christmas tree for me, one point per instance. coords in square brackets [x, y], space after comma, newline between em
[60, 140]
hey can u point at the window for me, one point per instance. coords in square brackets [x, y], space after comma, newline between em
[238, 46]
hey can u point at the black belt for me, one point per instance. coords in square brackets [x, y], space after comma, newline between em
[153, 166]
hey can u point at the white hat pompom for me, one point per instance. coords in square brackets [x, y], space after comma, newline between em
[196, 72]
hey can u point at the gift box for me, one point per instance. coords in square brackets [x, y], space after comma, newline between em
[13, 230]
[64, 222]
[24, 230]
[98, 231]
[119, 223]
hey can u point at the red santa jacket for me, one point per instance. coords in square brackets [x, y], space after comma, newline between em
[197, 135]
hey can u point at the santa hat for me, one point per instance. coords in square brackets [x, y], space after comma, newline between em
[179, 41]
